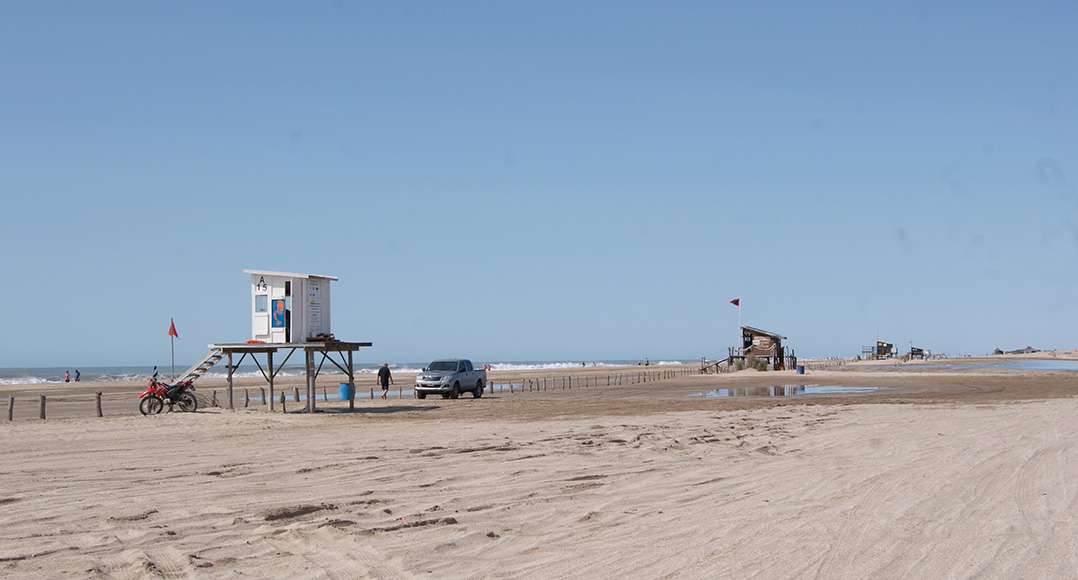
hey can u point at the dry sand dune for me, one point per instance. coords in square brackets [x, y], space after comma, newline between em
[950, 475]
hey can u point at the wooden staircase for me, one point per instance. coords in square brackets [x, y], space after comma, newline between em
[198, 369]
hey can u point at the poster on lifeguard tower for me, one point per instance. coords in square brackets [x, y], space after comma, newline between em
[279, 316]
[314, 308]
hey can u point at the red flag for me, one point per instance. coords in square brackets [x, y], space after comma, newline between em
[736, 302]
[172, 328]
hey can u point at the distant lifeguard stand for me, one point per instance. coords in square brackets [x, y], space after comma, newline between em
[764, 345]
[290, 312]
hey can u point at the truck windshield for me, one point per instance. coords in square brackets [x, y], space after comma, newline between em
[443, 365]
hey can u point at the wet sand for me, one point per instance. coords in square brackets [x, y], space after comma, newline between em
[944, 474]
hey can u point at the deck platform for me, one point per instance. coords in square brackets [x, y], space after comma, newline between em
[310, 350]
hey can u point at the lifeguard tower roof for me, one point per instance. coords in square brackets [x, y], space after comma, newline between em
[288, 274]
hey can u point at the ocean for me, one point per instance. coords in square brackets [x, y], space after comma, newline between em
[30, 376]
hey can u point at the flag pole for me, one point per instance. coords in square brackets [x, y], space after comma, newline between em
[172, 336]
[737, 345]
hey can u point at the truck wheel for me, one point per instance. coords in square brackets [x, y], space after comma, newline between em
[456, 391]
[478, 392]
[419, 395]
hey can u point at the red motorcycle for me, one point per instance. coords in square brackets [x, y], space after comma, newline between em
[159, 394]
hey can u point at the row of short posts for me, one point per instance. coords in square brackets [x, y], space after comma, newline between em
[532, 384]
[97, 402]
[42, 405]
[567, 382]
[295, 397]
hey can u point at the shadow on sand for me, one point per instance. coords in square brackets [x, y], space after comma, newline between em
[375, 410]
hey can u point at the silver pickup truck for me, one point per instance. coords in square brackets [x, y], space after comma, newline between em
[450, 377]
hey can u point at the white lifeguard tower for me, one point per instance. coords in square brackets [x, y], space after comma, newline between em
[291, 312]
[286, 306]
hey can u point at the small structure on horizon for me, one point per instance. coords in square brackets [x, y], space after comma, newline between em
[882, 351]
[1026, 350]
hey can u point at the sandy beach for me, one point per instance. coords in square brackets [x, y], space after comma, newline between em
[941, 473]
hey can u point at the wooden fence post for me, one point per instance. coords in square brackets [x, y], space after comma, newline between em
[10, 407]
[246, 398]
[282, 402]
[213, 402]
[42, 405]
[97, 397]
[263, 389]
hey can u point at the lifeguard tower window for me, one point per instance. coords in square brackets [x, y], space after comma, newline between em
[288, 289]
[261, 303]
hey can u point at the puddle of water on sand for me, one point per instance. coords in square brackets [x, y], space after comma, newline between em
[785, 391]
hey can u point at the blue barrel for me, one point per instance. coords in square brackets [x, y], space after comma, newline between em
[800, 369]
[345, 393]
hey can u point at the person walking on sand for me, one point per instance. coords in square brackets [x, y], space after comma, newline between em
[67, 376]
[77, 375]
[385, 378]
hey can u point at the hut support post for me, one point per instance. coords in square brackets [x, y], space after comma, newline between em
[230, 380]
[351, 384]
[272, 373]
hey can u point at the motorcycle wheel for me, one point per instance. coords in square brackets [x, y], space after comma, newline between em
[187, 402]
[150, 405]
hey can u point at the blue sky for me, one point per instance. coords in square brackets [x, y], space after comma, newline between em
[539, 180]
